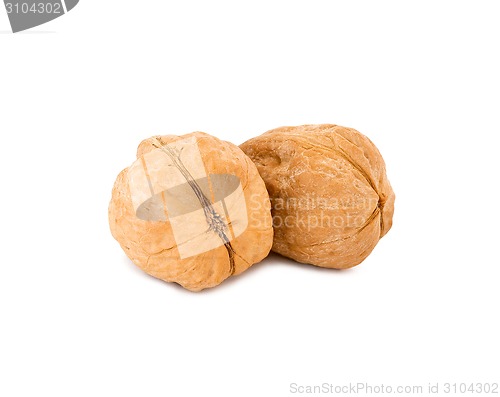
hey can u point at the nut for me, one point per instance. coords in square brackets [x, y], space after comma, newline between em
[331, 199]
[192, 210]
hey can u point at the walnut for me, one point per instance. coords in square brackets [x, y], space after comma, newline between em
[331, 199]
[191, 209]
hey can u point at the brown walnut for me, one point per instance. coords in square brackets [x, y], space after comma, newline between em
[191, 209]
[331, 199]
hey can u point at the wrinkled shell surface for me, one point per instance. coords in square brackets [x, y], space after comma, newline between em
[331, 199]
[192, 210]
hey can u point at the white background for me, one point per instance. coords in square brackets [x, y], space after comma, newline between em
[77, 95]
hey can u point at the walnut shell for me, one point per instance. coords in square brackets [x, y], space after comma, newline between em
[331, 199]
[192, 210]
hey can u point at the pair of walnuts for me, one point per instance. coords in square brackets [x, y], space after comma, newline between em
[196, 210]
